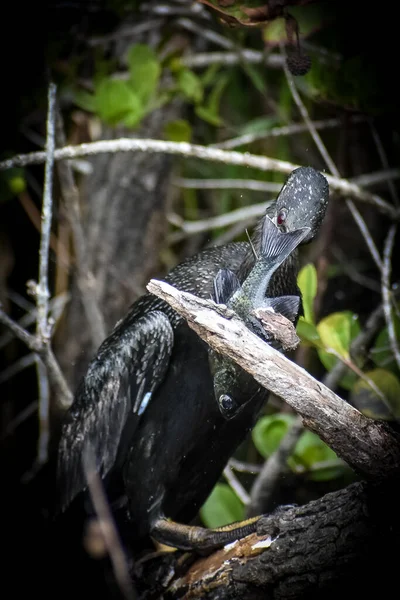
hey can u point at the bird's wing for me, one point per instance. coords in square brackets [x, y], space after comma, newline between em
[225, 284]
[118, 385]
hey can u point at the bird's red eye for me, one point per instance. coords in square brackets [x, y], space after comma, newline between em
[281, 216]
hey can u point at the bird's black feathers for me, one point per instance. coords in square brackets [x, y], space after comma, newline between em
[129, 365]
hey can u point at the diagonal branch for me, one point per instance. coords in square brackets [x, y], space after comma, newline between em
[370, 448]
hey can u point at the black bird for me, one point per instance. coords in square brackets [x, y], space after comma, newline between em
[146, 407]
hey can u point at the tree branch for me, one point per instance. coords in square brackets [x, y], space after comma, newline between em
[370, 448]
[263, 163]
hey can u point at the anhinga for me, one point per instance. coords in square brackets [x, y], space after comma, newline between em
[153, 409]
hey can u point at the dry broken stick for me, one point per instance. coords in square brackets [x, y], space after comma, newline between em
[372, 449]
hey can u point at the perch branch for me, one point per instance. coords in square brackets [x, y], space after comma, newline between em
[369, 447]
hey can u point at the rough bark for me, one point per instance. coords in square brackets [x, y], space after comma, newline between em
[342, 541]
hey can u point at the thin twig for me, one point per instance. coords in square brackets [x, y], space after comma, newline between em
[244, 467]
[228, 59]
[56, 307]
[309, 124]
[332, 167]
[62, 392]
[265, 485]
[384, 161]
[107, 527]
[19, 365]
[43, 412]
[386, 292]
[85, 278]
[228, 184]
[370, 179]
[291, 129]
[19, 419]
[236, 485]
[42, 289]
[235, 216]
[263, 163]
[365, 233]
[352, 270]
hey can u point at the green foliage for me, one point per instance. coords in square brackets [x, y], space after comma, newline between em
[336, 332]
[269, 431]
[333, 335]
[12, 183]
[369, 402]
[144, 72]
[307, 282]
[119, 101]
[178, 131]
[311, 454]
[210, 110]
[116, 102]
[309, 18]
[381, 353]
[190, 85]
[221, 507]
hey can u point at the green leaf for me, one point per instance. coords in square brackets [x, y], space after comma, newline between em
[310, 449]
[369, 402]
[259, 125]
[337, 331]
[208, 116]
[115, 101]
[327, 473]
[307, 282]
[311, 452]
[308, 333]
[145, 71]
[381, 352]
[12, 183]
[178, 131]
[256, 76]
[190, 85]
[269, 432]
[221, 507]
[84, 100]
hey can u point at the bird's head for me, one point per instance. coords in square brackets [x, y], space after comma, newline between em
[302, 202]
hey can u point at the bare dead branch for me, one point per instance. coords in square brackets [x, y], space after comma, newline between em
[62, 392]
[42, 289]
[369, 447]
[236, 485]
[292, 129]
[263, 163]
[107, 527]
[43, 327]
[228, 184]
